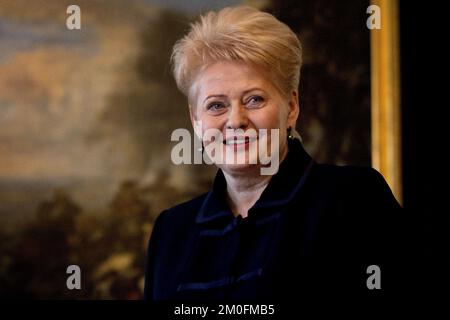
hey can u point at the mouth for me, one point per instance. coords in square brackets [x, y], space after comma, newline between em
[239, 140]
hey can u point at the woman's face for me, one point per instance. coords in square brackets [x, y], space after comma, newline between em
[238, 100]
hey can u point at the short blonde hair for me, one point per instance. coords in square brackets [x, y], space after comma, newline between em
[239, 34]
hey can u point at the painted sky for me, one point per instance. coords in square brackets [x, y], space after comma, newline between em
[73, 106]
[97, 106]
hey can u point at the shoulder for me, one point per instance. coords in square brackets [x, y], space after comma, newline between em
[181, 215]
[344, 173]
[357, 184]
[353, 177]
[174, 228]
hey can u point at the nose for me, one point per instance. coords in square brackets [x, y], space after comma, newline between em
[237, 117]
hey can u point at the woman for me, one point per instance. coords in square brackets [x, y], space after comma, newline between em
[312, 227]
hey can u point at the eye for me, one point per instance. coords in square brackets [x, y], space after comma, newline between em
[255, 101]
[215, 106]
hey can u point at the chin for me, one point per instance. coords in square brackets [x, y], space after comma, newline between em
[239, 168]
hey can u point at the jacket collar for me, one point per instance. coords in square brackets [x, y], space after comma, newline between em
[280, 191]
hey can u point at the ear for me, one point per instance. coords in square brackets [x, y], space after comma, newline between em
[294, 109]
[194, 122]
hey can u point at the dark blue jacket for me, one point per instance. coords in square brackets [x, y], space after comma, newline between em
[315, 229]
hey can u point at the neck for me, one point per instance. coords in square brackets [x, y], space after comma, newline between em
[244, 189]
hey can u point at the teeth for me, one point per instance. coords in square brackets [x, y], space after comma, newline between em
[233, 141]
[238, 141]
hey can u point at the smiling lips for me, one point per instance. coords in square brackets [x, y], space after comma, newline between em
[239, 140]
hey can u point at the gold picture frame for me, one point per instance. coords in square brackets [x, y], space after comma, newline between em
[385, 96]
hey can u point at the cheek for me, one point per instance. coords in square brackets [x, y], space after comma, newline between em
[213, 125]
[272, 118]
[283, 113]
[209, 122]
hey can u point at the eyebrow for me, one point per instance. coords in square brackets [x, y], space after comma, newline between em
[214, 96]
[222, 95]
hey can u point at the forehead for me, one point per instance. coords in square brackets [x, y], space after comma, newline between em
[230, 77]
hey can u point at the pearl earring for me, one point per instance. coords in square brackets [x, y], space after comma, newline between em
[289, 133]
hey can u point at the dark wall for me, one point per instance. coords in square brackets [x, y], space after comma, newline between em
[424, 106]
[335, 79]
